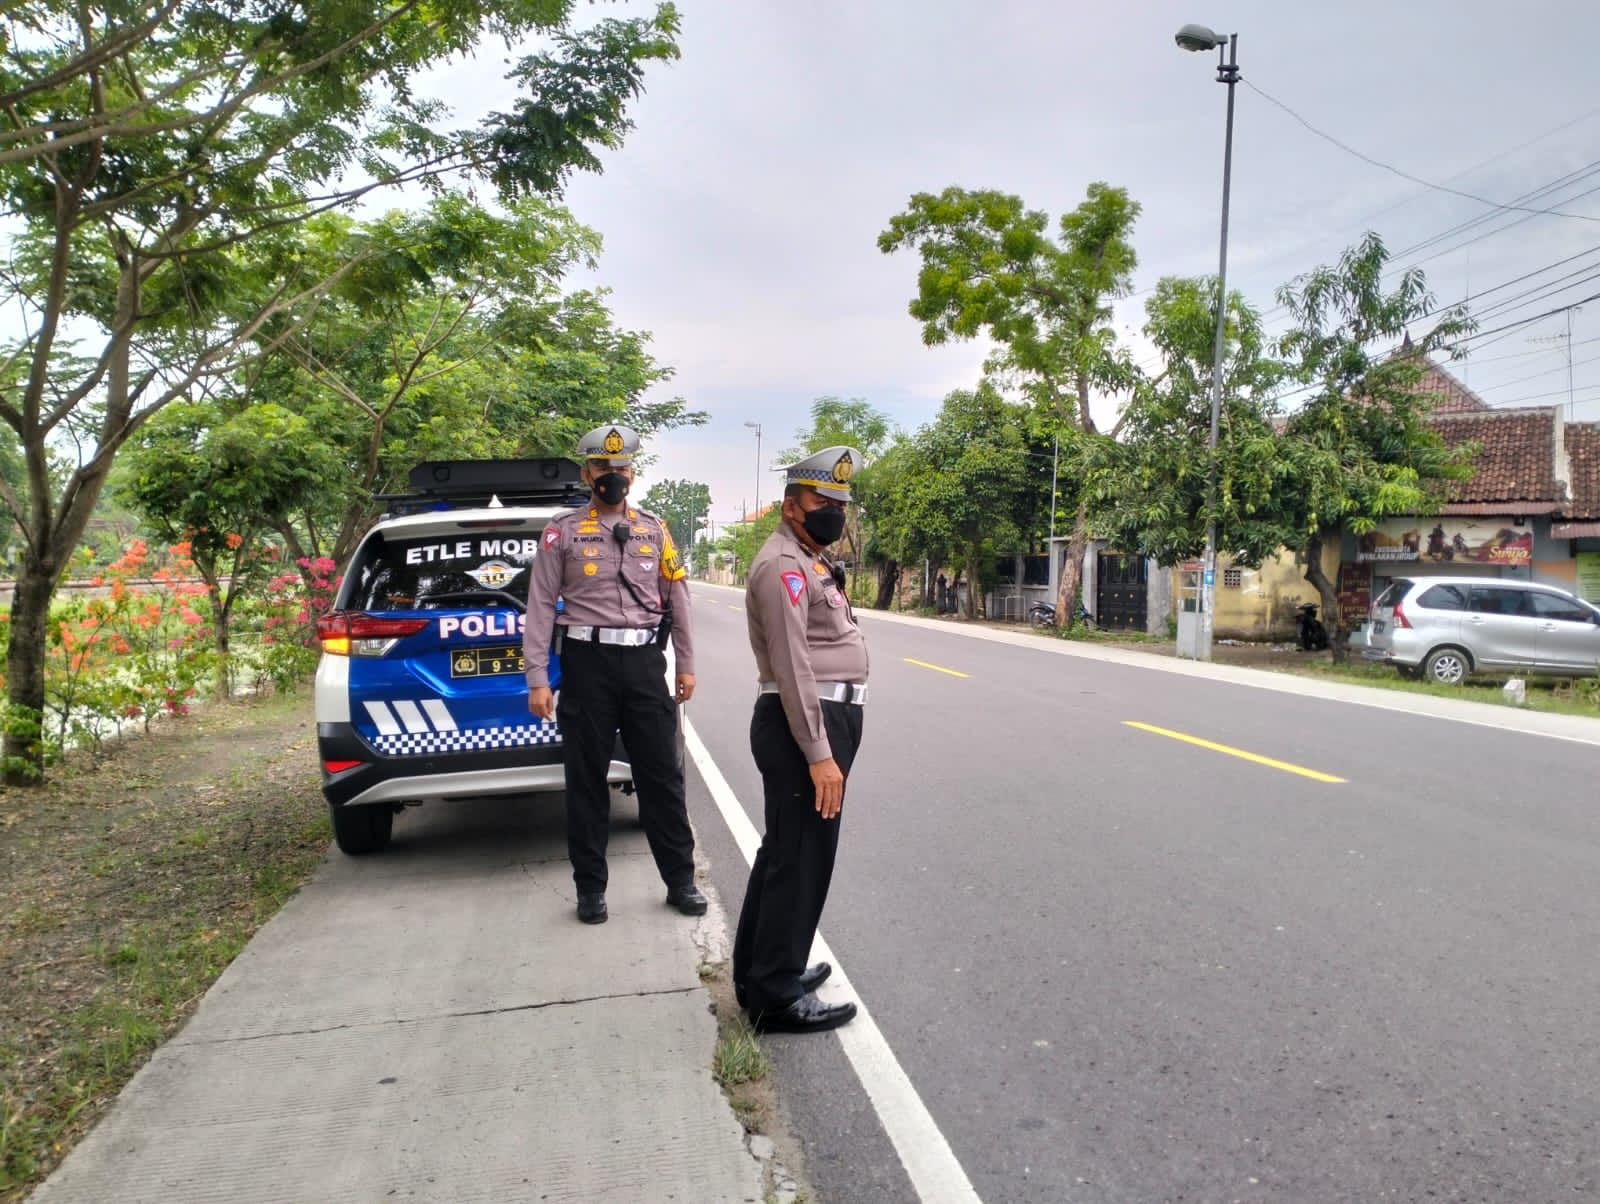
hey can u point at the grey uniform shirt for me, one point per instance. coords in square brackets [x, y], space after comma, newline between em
[579, 560]
[802, 631]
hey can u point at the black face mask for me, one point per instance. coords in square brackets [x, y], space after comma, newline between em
[824, 525]
[611, 487]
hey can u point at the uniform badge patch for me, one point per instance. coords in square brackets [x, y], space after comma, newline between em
[551, 536]
[590, 568]
[795, 585]
[646, 550]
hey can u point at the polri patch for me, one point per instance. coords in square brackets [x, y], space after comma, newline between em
[551, 536]
[795, 584]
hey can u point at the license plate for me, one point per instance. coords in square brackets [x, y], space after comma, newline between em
[486, 662]
[1377, 627]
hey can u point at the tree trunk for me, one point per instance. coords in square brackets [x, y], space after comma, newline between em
[23, 750]
[1072, 572]
[888, 580]
[1332, 621]
[220, 614]
[975, 607]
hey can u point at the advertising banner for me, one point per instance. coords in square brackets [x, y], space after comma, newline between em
[1446, 540]
[1589, 576]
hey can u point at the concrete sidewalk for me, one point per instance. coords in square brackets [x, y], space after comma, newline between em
[434, 1024]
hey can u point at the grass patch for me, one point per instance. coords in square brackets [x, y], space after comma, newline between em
[739, 1057]
[124, 894]
[1544, 694]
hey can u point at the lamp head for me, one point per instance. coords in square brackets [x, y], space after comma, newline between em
[1198, 37]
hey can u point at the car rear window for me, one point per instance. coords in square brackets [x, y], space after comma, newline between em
[478, 569]
[1393, 594]
[1444, 597]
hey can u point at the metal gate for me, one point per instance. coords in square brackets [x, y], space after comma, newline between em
[1122, 593]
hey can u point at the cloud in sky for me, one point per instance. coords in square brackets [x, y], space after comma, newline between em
[741, 216]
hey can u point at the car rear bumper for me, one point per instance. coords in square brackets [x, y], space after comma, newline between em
[1401, 647]
[381, 778]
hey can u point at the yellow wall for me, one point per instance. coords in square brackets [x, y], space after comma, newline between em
[1262, 606]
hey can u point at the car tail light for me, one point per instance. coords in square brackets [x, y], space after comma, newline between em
[355, 633]
[1400, 620]
[339, 766]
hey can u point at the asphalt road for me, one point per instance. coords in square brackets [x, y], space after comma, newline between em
[1119, 965]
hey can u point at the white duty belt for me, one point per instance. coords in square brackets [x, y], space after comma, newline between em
[855, 693]
[627, 637]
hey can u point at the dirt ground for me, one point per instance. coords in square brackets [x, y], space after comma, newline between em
[125, 888]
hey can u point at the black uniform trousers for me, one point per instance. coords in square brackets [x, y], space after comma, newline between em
[606, 689]
[794, 866]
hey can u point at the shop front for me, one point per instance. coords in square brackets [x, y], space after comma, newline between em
[1515, 547]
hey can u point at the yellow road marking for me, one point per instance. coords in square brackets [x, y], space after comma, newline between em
[1313, 774]
[910, 660]
[731, 606]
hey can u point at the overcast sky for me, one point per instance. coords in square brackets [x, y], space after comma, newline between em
[740, 219]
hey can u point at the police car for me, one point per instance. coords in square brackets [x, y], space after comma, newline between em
[420, 692]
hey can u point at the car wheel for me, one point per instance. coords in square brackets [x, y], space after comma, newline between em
[362, 829]
[1447, 666]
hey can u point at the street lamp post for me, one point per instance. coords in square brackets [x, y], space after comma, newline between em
[1198, 37]
[756, 426]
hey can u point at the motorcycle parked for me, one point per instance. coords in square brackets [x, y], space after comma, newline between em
[1311, 637]
[1041, 614]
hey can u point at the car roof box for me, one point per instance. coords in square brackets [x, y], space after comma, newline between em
[450, 484]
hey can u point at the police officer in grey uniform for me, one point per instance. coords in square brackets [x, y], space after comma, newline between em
[619, 573]
[811, 659]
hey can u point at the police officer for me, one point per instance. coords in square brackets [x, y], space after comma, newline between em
[619, 573]
[812, 663]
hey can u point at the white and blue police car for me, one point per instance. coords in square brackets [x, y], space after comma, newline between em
[421, 693]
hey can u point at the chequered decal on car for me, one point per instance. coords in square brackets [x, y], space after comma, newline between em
[405, 729]
[410, 743]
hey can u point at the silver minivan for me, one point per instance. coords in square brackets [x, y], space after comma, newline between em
[1444, 628]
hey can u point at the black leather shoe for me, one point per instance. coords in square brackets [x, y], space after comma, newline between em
[814, 976]
[592, 908]
[810, 979]
[808, 1014]
[687, 899]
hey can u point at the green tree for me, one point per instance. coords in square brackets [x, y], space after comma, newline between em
[1359, 446]
[451, 340]
[218, 482]
[744, 539]
[682, 504]
[835, 420]
[153, 160]
[957, 492]
[991, 267]
[1148, 490]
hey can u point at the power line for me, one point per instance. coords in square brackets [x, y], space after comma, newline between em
[1520, 355]
[1405, 175]
[1506, 384]
[1365, 222]
[1561, 393]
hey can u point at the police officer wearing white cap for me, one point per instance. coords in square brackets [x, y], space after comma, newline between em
[811, 659]
[618, 573]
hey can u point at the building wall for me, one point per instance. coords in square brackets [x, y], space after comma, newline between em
[1262, 605]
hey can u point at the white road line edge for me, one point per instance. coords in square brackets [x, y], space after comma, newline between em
[1576, 729]
[930, 1163]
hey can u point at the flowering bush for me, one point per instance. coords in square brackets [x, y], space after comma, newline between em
[145, 647]
[281, 622]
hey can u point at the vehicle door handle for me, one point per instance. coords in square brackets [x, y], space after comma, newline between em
[1547, 627]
